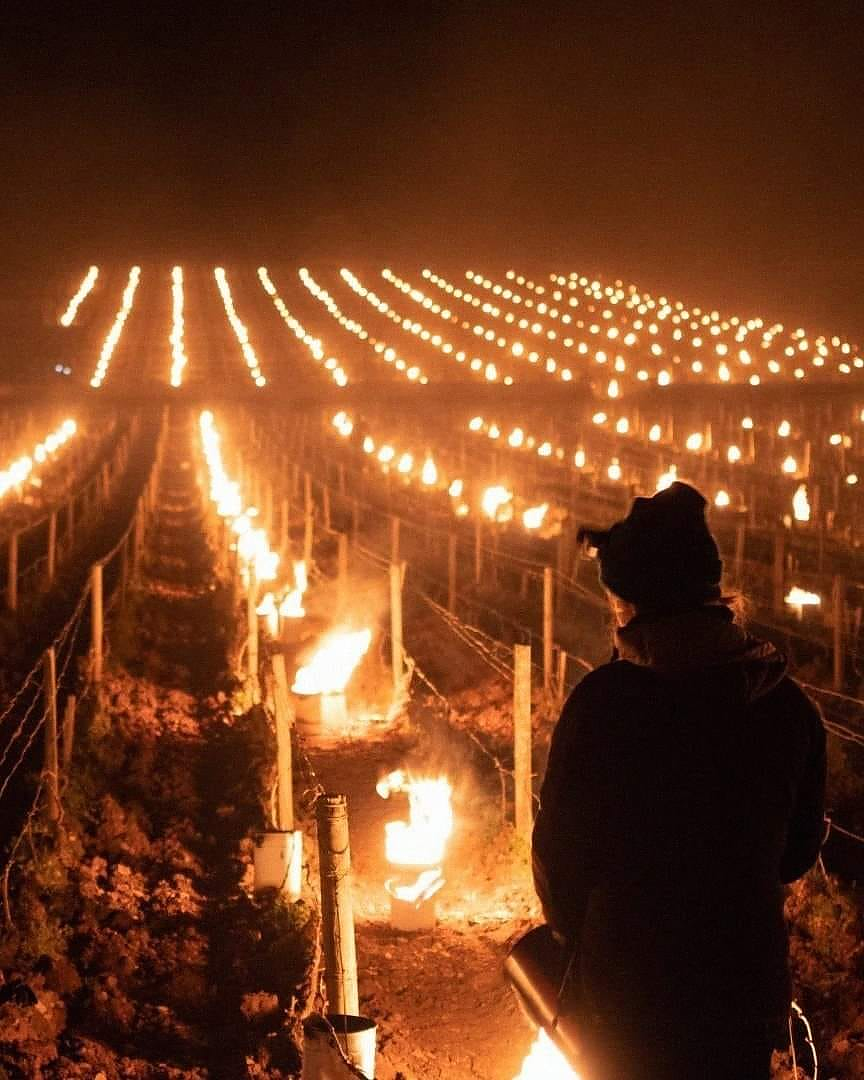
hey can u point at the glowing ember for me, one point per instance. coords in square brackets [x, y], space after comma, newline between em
[545, 1062]
[333, 664]
[801, 504]
[533, 517]
[422, 839]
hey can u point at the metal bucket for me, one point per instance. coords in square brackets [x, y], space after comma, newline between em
[536, 967]
[322, 719]
[278, 863]
[411, 916]
[323, 1059]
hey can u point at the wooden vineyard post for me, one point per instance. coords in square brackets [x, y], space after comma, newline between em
[548, 625]
[397, 571]
[308, 532]
[355, 520]
[561, 680]
[69, 730]
[778, 570]
[522, 742]
[337, 910]
[12, 574]
[96, 623]
[70, 525]
[740, 540]
[51, 561]
[325, 504]
[838, 630]
[478, 551]
[308, 504]
[52, 765]
[284, 534]
[284, 723]
[395, 525]
[451, 573]
[342, 569]
[252, 637]
[341, 468]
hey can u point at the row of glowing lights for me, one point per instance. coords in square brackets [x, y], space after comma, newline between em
[412, 372]
[179, 358]
[84, 289]
[110, 343]
[258, 561]
[696, 318]
[313, 344]
[696, 442]
[613, 334]
[496, 502]
[724, 351]
[20, 470]
[486, 370]
[239, 328]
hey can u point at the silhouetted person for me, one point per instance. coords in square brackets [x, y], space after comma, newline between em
[685, 785]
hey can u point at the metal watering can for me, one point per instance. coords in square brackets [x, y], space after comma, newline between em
[539, 968]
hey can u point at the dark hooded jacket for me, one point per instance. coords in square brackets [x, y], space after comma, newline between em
[685, 785]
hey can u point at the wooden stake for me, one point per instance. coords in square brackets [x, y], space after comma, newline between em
[284, 723]
[396, 648]
[69, 731]
[12, 574]
[838, 611]
[394, 538]
[337, 910]
[548, 626]
[561, 680]
[478, 550]
[779, 569]
[342, 569]
[252, 638]
[96, 623]
[284, 533]
[325, 502]
[740, 541]
[52, 765]
[308, 532]
[51, 562]
[522, 742]
[451, 572]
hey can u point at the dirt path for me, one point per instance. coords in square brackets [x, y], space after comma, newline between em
[440, 999]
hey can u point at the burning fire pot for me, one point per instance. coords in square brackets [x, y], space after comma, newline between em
[278, 862]
[417, 848]
[412, 900]
[319, 686]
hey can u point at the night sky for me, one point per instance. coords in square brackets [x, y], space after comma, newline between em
[706, 149]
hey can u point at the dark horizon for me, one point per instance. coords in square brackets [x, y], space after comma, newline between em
[713, 154]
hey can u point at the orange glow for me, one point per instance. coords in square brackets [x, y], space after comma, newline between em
[333, 663]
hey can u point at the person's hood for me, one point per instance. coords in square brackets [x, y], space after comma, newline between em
[684, 645]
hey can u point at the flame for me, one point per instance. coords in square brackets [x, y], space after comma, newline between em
[495, 503]
[800, 598]
[110, 343]
[668, 478]
[19, 470]
[422, 840]
[333, 664]
[533, 517]
[424, 888]
[722, 498]
[429, 473]
[801, 504]
[267, 608]
[546, 1062]
[790, 465]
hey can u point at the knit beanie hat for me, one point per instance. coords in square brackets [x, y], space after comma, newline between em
[661, 557]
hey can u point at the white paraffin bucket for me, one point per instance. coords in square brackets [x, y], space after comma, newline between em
[322, 1058]
[278, 862]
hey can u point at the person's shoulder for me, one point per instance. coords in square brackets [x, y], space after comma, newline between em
[617, 680]
[791, 699]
